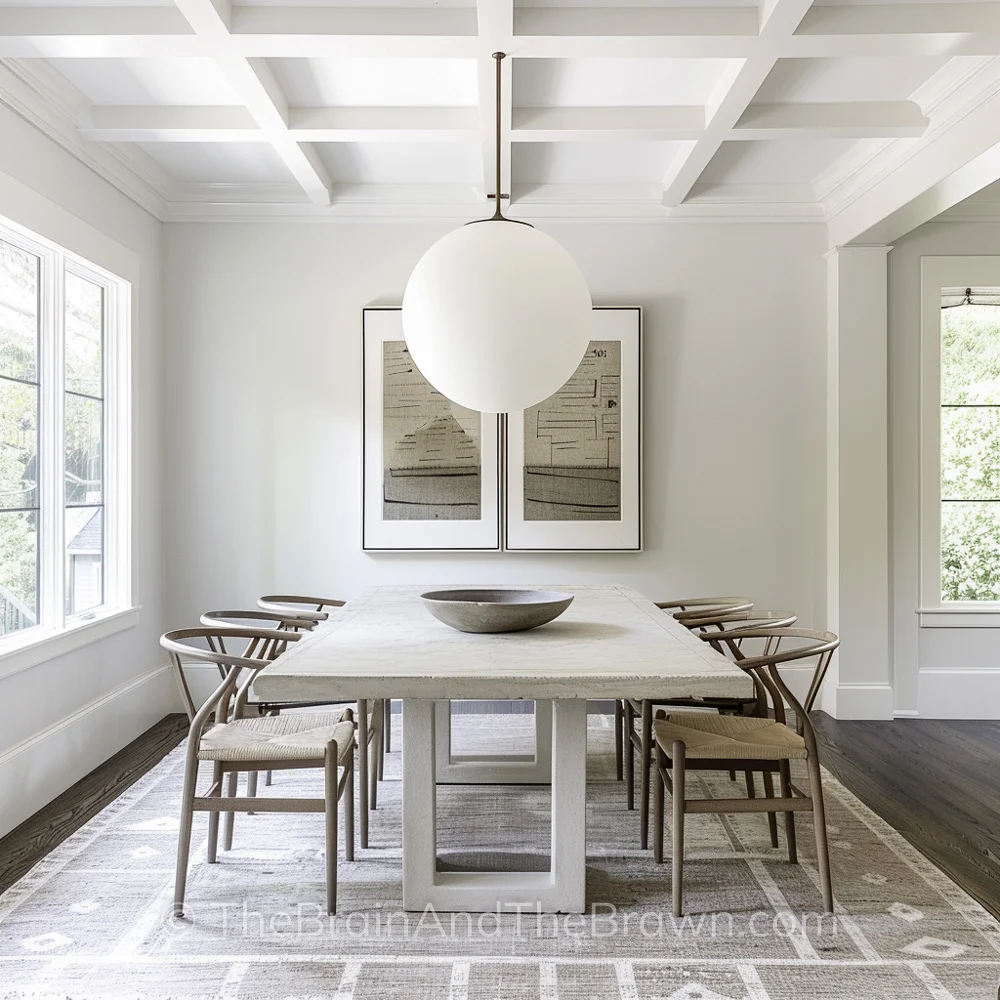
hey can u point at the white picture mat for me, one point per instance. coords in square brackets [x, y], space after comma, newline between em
[623, 325]
[380, 326]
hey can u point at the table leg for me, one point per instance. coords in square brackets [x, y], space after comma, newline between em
[559, 890]
[494, 769]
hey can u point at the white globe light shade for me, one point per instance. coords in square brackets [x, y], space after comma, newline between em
[497, 316]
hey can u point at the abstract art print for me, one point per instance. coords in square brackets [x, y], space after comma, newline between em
[573, 461]
[431, 456]
[431, 467]
[573, 445]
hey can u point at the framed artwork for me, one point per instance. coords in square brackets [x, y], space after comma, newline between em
[570, 466]
[431, 468]
[573, 462]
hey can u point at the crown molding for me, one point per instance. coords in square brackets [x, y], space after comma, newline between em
[39, 95]
[953, 100]
[931, 97]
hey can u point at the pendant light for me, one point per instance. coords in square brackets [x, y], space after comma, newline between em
[496, 315]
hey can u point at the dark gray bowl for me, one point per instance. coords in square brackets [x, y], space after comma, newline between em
[496, 610]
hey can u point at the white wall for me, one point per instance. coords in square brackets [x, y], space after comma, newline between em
[263, 326]
[61, 718]
[939, 672]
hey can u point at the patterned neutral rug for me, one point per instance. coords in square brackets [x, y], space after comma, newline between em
[92, 920]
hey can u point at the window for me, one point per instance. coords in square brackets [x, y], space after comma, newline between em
[63, 439]
[960, 442]
[970, 444]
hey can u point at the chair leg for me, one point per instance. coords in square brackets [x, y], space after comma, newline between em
[732, 775]
[267, 774]
[819, 822]
[330, 768]
[646, 741]
[785, 785]
[629, 756]
[751, 785]
[349, 811]
[213, 817]
[772, 818]
[619, 735]
[677, 866]
[388, 725]
[361, 734]
[227, 836]
[381, 740]
[661, 762]
[375, 758]
[251, 786]
[184, 834]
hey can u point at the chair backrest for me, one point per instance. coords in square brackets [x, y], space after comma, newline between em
[686, 609]
[733, 620]
[218, 645]
[742, 621]
[310, 608]
[783, 646]
[256, 618]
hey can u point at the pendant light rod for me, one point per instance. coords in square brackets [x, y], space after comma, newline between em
[498, 213]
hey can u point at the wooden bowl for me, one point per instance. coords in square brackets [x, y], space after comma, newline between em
[496, 610]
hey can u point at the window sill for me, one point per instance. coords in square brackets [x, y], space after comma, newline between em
[961, 616]
[20, 651]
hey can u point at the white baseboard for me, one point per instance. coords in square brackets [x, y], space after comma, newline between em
[36, 770]
[959, 694]
[864, 701]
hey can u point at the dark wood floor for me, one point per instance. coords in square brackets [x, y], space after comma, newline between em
[937, 783]
[28, 843]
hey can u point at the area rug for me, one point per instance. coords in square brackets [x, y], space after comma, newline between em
[93, 919]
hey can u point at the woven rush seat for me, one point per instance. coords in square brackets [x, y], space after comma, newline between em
[278, 737]
[707, 736]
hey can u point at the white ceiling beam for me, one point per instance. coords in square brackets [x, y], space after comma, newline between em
[166, 20]
[913, 29]
[932, 19]
[168, 124]
[849, 120]
[944, 29]
[237, 124]
[611, 124]
[438, 32]
[254, 84]
[565, 32]
[228, 123]
[734, 93]
[612, 20]
[95, 32]
[496, 27]
[384, 124]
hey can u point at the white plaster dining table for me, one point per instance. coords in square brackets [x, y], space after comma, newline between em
[611, 643]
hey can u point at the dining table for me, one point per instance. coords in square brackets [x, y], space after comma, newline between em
[611, 643]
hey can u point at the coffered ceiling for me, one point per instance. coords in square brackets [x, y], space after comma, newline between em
[786, 109]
